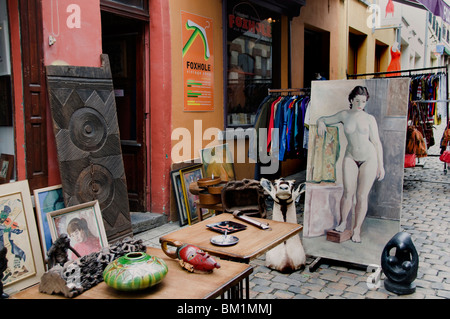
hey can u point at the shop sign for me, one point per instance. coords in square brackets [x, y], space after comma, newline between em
[198, 62]
[247, 25]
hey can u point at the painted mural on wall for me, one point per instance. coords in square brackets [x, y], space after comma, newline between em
[355, 167]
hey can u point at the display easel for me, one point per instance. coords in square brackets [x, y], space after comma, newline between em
[318, 261]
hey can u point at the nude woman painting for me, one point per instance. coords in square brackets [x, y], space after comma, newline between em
[363, 160]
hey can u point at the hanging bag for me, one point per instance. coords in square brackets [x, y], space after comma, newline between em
[410, 160]
[445, 144]
[415, 142]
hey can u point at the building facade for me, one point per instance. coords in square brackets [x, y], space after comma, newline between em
[157, 50]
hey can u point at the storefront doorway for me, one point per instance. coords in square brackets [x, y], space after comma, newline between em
[317, 55]
[123, 41]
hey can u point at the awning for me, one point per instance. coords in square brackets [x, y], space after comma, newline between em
[437, 7]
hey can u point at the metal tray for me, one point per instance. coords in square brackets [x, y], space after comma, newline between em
[226, 226]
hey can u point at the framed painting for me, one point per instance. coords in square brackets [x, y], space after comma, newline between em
[218, 161]
[179, 197]
[354, 173]
[6, 168]
[47, 200]
[19, 235]
[190, 175]
[83, 224]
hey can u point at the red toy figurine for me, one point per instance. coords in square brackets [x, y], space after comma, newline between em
[191, 257]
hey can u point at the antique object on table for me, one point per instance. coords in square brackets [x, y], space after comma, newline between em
[226, 226]
[245, 195]
[57, 254]
[135, 271]
[401, 268]
[80, 275]
[239, 215]
[3, 266]
[224, 240]
[191, 257]
[290, 255]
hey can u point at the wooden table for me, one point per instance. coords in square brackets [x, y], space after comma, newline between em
[178, 284]
[253, 241]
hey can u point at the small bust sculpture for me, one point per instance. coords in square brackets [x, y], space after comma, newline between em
[400, 268]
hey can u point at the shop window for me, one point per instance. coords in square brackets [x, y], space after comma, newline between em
[253, 59]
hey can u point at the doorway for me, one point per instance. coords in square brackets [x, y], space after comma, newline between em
[123, 41]
[317, 55]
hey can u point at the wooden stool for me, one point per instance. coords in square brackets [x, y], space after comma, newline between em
[216, 207]
[195, 190]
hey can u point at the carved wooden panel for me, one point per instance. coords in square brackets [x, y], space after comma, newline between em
[87, 136]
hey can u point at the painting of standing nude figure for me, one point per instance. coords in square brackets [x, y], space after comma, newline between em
[355, 167]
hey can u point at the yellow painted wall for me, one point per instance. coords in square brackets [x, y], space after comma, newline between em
[320, 15]
[354, 19]
[181, 119]
[334, 17]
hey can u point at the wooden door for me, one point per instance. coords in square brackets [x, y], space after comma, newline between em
[123, 41]
[88, 142]
[34, 93]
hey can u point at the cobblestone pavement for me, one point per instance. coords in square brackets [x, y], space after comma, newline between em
[425, 216]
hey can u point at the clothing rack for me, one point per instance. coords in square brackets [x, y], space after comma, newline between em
[289, 91]
[409, 71]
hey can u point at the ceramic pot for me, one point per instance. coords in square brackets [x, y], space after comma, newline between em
[135, 271]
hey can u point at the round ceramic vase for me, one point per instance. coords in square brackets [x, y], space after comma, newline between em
[135, 271]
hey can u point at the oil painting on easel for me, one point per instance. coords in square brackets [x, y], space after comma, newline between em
[355, 168]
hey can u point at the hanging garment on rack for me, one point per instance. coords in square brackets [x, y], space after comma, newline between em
[285, 115]
[428, 87]
[260, 122]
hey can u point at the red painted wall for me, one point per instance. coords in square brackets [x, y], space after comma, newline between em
[77, 31]
[72, 36]
[16, 67]
[160, 107]
[75, 26]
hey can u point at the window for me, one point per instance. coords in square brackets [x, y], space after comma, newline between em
[137, 9]
[253, 59]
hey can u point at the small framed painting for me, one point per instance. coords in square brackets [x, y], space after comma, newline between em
[218, 161]
[47, 200]
[83, 224]
[6, 168]
[19, 236]
[190, 175]
[179, 197]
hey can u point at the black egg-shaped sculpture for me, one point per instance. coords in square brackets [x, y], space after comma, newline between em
[401, 267]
